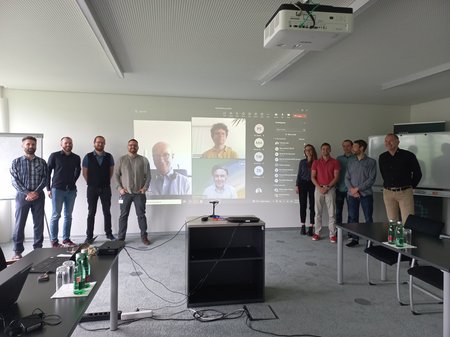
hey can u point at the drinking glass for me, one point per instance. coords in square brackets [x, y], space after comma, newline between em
[62, 276]
[407, 234]
[71, 265]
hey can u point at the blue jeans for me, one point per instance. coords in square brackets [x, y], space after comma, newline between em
[366, 203]
[60, 198]
[139, 201]
[22, 209]
[341, 197]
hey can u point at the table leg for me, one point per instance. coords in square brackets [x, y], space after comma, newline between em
[383, 271]
[446, 314]
[340, 257]
[114, 295]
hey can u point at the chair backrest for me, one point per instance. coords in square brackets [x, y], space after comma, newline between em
[424, 225]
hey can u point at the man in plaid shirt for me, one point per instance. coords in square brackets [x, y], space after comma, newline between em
[29, 177]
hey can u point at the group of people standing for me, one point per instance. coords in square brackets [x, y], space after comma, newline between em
[31, 175]
[328, 182]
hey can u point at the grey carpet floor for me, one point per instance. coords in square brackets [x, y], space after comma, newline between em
[301, 288]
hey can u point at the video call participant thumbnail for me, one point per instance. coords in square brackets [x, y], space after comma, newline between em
[220, 189]
[219, 135]
[167, 181]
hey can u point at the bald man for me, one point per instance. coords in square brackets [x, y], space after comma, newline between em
[401, 174]
[167, 182]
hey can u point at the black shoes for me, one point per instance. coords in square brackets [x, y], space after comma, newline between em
[352, 243]
[110, 237]
[89, 241]
[310, 231]
[303, 230]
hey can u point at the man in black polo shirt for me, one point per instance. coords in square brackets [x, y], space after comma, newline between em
[98, 168]
[401, 173]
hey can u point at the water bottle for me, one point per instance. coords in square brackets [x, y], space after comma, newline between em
[79, 276]
[391, 232]
[399, 239]
[87, 268]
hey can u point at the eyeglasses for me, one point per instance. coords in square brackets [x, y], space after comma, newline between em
[163, 156]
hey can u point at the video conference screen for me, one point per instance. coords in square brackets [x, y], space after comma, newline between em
[237, 157]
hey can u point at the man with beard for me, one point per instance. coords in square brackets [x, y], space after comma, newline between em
[66, 169]
[29, 177]
[359, 179]
[132, 175]
[98, 168]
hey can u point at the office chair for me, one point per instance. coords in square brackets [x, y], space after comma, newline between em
[427, 274]
[390, 257]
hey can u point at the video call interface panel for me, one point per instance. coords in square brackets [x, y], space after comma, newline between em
[267, 147]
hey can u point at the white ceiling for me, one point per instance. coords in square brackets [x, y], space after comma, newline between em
[214, 49]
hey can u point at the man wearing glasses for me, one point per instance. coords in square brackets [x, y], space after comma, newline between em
[167, 181]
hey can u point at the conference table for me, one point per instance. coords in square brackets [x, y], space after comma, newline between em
[37, 294]
[433, 251]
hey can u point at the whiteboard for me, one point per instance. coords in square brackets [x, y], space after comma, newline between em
[432, 151]
[11, 148]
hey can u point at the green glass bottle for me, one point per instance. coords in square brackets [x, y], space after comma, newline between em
[391, 232]
[79, 276]
[87, 268]
[399, 239]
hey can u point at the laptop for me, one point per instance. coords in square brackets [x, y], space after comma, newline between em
[50, 264]
[11, 285]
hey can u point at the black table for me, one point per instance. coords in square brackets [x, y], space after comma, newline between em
[37, 294]
[435, 252]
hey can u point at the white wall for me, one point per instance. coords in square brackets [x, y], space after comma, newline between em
[83, 116]
[438, 110]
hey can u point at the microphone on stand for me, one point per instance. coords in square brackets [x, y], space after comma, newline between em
[214, 203]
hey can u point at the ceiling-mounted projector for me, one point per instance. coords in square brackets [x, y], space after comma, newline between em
[307, 26]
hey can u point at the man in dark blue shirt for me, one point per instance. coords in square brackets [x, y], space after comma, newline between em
[98, 168]
[401, 173]
[66, 168]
